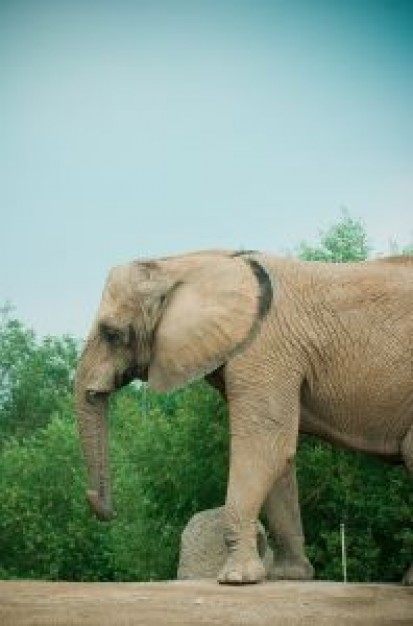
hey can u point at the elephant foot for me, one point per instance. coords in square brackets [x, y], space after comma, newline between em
[291, 570]
[408, 577]
[237, 571]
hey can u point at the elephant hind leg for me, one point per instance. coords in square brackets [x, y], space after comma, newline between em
[407, 453]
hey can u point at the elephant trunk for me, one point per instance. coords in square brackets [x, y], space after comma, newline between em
[91, 408]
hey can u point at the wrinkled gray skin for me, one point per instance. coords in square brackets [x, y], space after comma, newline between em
[293, 347]
[203, 551]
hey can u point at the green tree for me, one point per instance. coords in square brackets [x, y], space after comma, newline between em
[345, 241]
[35, 376]
[46, 530]
[373, 499]
[170, 458]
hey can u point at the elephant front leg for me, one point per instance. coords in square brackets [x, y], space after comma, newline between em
[247, 487]
[257, 460]
[284, 520]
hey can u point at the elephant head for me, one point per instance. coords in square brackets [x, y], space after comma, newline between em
[167, 321]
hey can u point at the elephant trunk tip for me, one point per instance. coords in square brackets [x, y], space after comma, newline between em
[100, 508]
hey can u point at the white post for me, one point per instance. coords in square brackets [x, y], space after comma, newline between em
[144, 400]
[343, 551]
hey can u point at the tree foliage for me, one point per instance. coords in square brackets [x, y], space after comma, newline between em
[45, 529]
[169, 459]
[35, 377]
[345, 241]
[372, 499]
[177, 465]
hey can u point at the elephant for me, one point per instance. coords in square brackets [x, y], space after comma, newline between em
[203, 552]
[293, 346]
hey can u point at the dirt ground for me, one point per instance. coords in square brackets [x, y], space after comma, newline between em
[24, 603]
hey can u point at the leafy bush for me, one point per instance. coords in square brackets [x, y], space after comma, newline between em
[373, 499]
[170, 460]
[46, 530]
[344, 242]
[35, 377]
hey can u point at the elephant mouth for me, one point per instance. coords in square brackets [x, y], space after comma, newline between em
[143, 373]
[125, 378]
[97, 396]
[139, 372]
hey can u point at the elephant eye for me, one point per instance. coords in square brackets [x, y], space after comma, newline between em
[111, 335]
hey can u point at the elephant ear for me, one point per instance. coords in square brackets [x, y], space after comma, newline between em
[212, 312]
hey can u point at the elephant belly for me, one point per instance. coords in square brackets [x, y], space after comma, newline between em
[375, 425]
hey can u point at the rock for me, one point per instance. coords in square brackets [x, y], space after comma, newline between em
[203, 551]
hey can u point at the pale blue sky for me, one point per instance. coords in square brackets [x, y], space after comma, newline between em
[133, 129]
